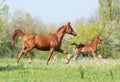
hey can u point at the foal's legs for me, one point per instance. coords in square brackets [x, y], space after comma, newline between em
[77, 51]
[94, 55]
[49, 55]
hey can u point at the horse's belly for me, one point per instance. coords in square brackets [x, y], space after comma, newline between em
[42, 42]
[44, 48]
[87, 50]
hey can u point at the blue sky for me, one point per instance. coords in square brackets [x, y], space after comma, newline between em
[55, 11]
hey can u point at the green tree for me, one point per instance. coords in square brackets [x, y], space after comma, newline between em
[3, 7]
[24, 21]
[110, 19]
[109, 11]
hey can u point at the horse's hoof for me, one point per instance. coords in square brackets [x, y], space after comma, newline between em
[46, 63]
[16, 63]
[29, 60]
[67, 61]
[100, 56]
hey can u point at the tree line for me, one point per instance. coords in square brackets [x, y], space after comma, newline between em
[104, 23]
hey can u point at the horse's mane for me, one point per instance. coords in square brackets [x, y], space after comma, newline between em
[59, 28]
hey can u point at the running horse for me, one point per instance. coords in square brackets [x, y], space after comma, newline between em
[86, 48]
[51, 42]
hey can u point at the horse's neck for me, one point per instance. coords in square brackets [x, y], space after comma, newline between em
[60, 34]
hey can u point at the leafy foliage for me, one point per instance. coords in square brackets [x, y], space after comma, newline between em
[86, 33]
[107, 26]
[3, 7]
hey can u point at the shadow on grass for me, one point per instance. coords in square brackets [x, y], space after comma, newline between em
[10, 67]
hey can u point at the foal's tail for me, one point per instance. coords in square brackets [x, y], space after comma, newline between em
[74, 44]
[16, 34]
[78, 45]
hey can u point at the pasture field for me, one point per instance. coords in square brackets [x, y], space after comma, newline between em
[84, 70]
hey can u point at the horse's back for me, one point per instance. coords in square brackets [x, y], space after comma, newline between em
[28, 40]
[41, 40]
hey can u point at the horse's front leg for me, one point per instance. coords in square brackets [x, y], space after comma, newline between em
[49, 55]
[65, 53]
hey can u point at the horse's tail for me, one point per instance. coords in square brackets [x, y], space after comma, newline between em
[16, 34]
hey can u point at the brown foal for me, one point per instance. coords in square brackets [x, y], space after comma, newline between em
[51, 42]
[82, 48]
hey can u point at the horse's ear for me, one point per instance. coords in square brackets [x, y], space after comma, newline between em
[68, 23]
[97, 36]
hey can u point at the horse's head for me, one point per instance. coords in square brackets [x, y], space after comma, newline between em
[99, 40]
[69, 29]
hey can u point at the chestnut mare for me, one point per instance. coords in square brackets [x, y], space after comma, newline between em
[51, 42]
[82, 48]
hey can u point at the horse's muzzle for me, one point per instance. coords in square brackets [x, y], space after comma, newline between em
[74, 33]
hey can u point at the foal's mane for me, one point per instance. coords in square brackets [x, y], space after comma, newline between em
[94, 39]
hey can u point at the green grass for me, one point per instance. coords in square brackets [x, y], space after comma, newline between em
[85, 70]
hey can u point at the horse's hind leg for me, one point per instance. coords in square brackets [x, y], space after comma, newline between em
[19, 56]
[29, 58]
[25, 51]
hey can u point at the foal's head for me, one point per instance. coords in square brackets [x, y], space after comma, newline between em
[69, 30]
[99, 40]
